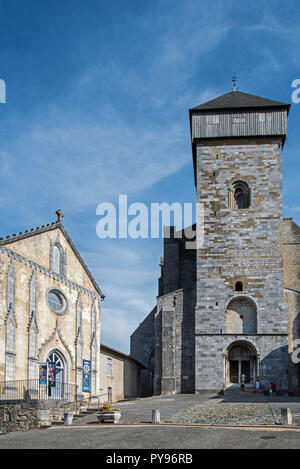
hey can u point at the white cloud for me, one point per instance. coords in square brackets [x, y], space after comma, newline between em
[116, 328]
[85, 163]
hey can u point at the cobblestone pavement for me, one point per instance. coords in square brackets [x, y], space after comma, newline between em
[140, 411]
[226, 414]
[254, 409]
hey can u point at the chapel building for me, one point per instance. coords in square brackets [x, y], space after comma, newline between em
[50, 308]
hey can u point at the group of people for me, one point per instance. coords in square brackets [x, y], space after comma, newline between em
[272, 386]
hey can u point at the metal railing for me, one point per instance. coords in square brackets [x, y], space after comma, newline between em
[33, 389]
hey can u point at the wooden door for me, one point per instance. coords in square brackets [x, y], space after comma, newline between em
[234, 371]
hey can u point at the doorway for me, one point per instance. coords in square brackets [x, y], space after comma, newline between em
[234, 371]
[241, 359]
[245, 370]
[56, 375]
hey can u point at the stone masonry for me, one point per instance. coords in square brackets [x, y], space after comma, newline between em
[240, 245]
[231, 307]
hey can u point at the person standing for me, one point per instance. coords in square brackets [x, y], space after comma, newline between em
[242, 388]
[257, 384]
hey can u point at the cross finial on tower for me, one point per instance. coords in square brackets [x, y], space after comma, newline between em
[234, 81]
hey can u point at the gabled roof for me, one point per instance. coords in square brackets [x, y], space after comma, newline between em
[49, 227]
[238, 100]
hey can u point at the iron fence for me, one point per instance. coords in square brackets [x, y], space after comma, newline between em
[33, 389]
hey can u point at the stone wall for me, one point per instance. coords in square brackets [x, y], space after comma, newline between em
[142, 348]
[272, 355]
[23, 416]
[175, 349]
[290, 233]
[240, 245]
[174, 325]
[142, 340]
[17, 417]
[178, 266]
[241, 317]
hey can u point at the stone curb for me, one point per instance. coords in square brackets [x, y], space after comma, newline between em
[234, 427]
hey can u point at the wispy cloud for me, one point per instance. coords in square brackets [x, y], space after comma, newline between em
[117, 328]
[112, 117]
[84, 163]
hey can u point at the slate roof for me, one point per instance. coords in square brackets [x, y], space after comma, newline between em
[50, 227]
[238, 100]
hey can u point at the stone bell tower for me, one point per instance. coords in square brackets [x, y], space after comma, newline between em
[241, 321]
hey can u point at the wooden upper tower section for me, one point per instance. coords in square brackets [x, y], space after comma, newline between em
[238, 114]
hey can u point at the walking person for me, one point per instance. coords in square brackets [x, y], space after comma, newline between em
[257, 384]
[242, 388]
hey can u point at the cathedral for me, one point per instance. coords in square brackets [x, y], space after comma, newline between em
[49, 318]
[231, 306]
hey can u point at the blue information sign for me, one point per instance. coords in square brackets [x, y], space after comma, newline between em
[43, 373]
[86, 376]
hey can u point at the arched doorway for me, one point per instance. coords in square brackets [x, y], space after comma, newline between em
[56, 374]
[241, 359]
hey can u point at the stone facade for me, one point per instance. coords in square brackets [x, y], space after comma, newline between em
[164, 341]
[240, 245]
[142, 348]
[290, 238]
[231, 306]
[32, 330]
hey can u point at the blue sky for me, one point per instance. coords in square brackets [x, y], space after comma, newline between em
[97, 105]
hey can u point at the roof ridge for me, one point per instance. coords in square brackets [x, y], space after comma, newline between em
[49, 227]
[33, 231]
[27, 233]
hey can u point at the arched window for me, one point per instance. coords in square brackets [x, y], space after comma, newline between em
[57, 259]
[241, 316]
[239, 286]
[239, 195]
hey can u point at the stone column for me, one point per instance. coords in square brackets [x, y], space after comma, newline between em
[240, 371]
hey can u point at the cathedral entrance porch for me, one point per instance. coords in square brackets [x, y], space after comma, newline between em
[241, 359]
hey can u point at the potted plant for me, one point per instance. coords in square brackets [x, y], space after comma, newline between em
[108, 414]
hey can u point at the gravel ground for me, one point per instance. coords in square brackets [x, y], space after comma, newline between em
[230, 409]
[226, 414]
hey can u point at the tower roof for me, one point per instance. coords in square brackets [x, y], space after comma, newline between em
[239, 100]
